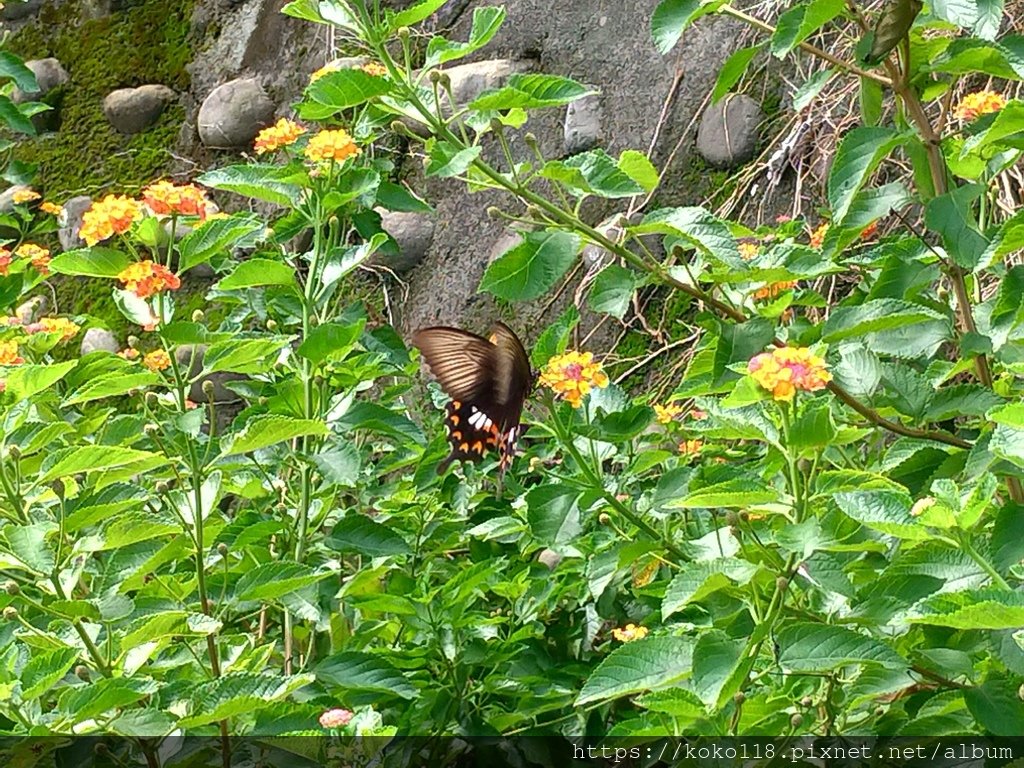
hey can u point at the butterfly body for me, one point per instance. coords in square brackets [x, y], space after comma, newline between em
[488, 381]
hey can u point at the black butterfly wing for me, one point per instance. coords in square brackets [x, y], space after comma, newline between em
[488, 381]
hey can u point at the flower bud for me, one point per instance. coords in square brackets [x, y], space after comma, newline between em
[493, 212]
[403, 33]
[806, 701]
[879, 711]
[531, 140]
[739, 697]
[14, 452]
[152, 399]
[796, 720]
[162, 487]
[208, 389]
[496, 125]
[58, 488]
[222, 549]
[446, 81]
[133, 341]
[1020, 692]
[82, 672]
[198, 316]
[604, 518]
[101, 749]
[10, 613]
[731, 518]
[12, 588]
[271, 324]
[435, 76]
[534, 212]
[782, 583]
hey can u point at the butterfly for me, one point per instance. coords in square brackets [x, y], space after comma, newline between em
[488, 381]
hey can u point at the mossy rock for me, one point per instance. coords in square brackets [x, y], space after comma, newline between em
[145, 43]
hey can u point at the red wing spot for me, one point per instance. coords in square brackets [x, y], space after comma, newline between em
[478, 447]
[456, 404]
[455, 419]
[464, 447]
[457, 435]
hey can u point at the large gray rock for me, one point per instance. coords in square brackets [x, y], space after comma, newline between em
[233, 113]
[15, 11]
[132, 110]
[99, 339]
[32, 310]
[413, 233]
[70, 222]
[470, 80]
[583, 128]
[49, 75]
[7, 197]
[728, 132]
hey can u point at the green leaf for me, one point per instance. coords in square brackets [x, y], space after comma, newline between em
[256, 272]
[733, 69]
[996, 706]
[641, 665]
[449, 160]
[874, 316]
[860, 152]
[697, 580]
[612, 291]
[414, 14]
[263, 431]
[12, 116]
[90, 262]
[168, 624]
[809, 91]
[355, 672]
[738, 493]
[531, 268]
[698, 229]
[395, 197]
[45, 670]
[242, 355]
[345, 88]
[89, 701]
[1007, 239]
[714, 659]
[807, 647]
[990, 16]
[93, 458]
[486, 22]
[950, 215]
[640, 169]
[377, 418]
[885, 511]
[14, 68]
[553, 513]
[358, 533]
[801, 21]
[961, 400]
[870, 101]
[340, 465]
[531, 91]
[962, 13]
[217, 236]
[27, 380]
[114, 385]
[270, 581]
[239, 693]
[672, 17]
[29, 543]
[260, 182]
[973, 609]
[969, 56]
[331, 340]
[602, 175]
[554, 340]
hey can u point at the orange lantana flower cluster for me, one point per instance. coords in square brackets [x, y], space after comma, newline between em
[52, 208]
[785, 370]
[974, 105]
[39, 256]
[5, 261]
[748, 251]
[629, 633]
[772, 290]
[572, 375]
[145, 278]
[331, 145]
[25, 196]
[113, 215]
[167, 199]
[9, 353]
[281, 134]
[818, 235]
[67, 329]
[666, 413]
[374, 68]
[157, 360]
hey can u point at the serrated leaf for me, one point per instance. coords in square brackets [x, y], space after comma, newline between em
[44, 670]
[168, 624]
[973, 610]
[695, 581]
[859, 154]
[553, 513]
[112, 386]
[93, 458]
[260, 182]
[532, 268]
[612, 291]
[950, 215]
[641, 665]
[486, 22]
[216, 236]
[801, 21]
[672, 17]
[358, 533]
[90, 262]
[807, 647]
[531, 91]
[239, 693]
[996, 705]
[242, 355]
[345, 88]
[733, 69]
[272, 580]
[330, 340]
[873, 316]
[714, 659]
[355, 671]
[414, 14]
[738, 493]
[263, 431]
[27, 380]
[698, 229]
[258, 272]
[103, 695]
[449, 160]
[885, 511]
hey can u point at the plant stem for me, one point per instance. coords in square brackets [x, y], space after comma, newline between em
[985, 565]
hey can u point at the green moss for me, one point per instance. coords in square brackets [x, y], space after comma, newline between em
[146, 43]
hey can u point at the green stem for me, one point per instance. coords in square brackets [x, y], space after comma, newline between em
[985, 565]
